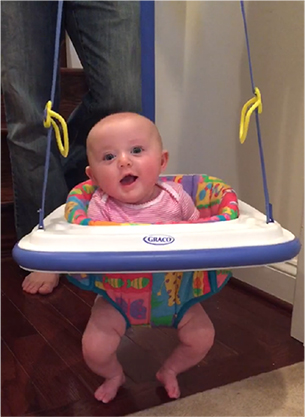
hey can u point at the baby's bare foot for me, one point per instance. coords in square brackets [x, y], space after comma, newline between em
[108, 390]
[169, 379]
[40, 282]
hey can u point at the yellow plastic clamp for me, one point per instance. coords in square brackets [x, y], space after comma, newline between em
[63, 145]
[247, 110]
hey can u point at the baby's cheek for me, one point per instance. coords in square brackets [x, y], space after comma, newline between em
[106, 178]
[152, 165]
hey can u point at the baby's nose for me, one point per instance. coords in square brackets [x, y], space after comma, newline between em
[124, 160]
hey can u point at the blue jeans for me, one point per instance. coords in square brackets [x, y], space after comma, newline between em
[106, 37]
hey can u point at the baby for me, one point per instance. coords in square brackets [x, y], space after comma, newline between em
[126, 157]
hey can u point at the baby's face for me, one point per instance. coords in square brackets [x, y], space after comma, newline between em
[126, 158]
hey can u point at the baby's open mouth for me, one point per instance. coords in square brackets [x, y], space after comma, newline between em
[128, 179]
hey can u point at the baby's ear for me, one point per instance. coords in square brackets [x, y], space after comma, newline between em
[164, 159]
[89, 174]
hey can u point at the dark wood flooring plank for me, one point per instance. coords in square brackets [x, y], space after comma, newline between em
[125, 403]
[239, 328]
[46, 369]
[71, 307]
[139, 365]
[19, 394]
[87, 296]
[159, 341]
[219, 350]
[262, 311]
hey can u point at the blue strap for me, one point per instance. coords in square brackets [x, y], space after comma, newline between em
[50, 131]
[148, 58]
[268, 205]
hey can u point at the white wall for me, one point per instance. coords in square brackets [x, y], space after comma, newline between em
[278, 57]
[72, 58]
[198, 51]
[203, 80]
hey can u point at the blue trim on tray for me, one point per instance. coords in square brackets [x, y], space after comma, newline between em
[156, 261]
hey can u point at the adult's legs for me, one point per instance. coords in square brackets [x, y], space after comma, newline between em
[28, 37]
[106, 37]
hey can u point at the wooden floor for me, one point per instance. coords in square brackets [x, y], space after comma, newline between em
[43, 372]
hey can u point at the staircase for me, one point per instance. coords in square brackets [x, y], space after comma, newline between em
[73, 87]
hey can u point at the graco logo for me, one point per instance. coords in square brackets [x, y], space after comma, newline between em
[158, 239]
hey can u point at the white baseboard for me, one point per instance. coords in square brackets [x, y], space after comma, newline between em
[289, 267]
[278, 279]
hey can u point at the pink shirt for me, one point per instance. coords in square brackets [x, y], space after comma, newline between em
[173, 204]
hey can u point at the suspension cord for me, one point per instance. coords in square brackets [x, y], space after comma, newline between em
[48, 122]
[257, 108]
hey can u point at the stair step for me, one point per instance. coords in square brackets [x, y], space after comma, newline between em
[6, 175]
[3, 121]
[8, 234]
[73, 88]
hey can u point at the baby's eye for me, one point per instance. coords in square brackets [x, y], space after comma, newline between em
[137, 150]
[108, 157]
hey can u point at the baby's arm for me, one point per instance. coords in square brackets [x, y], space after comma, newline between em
[188, 208]
[97, 209]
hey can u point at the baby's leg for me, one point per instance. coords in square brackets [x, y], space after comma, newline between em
[196, 335]
[40, 282]
[101, 339]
